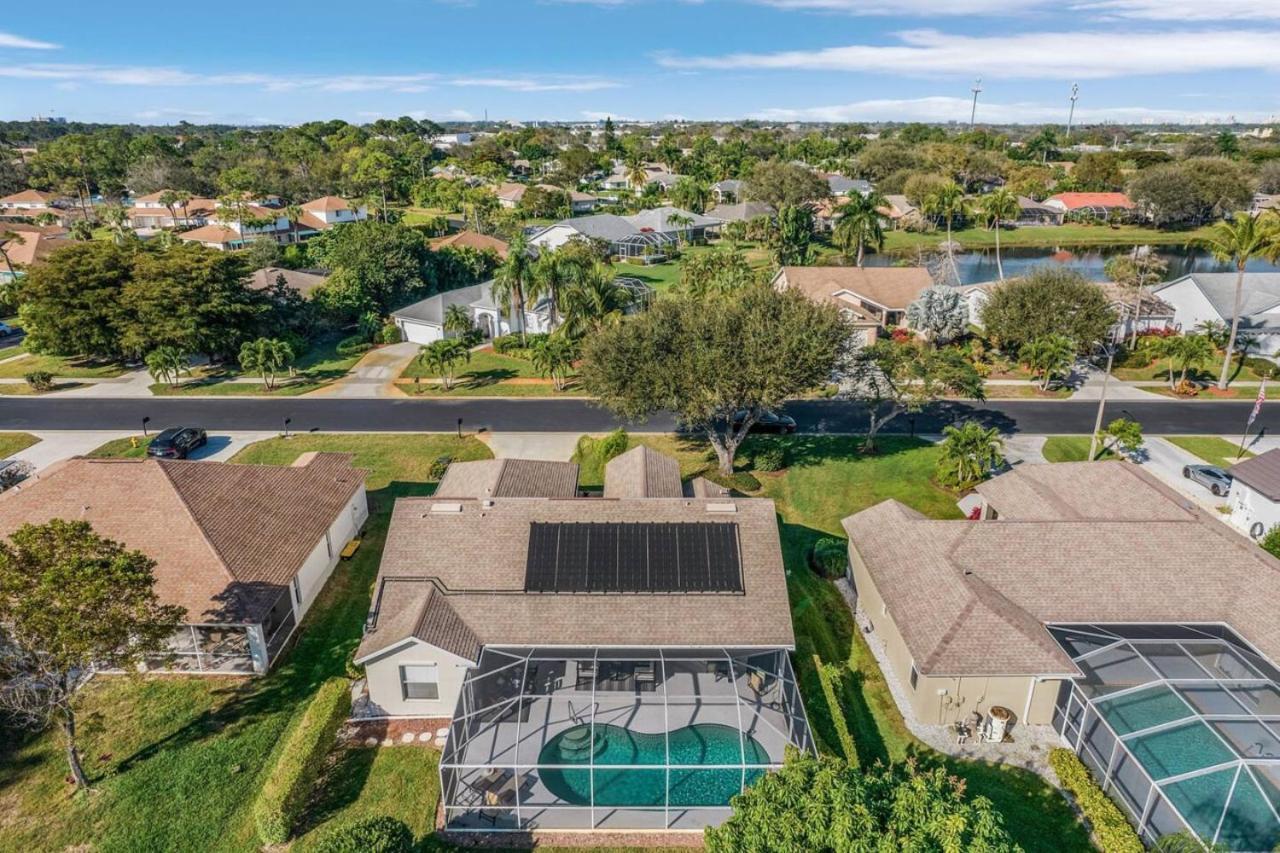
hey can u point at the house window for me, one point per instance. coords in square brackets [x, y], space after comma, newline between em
[915, 676]
[420, 681]
[297, 590]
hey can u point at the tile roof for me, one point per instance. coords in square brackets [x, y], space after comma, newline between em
[326, 203]
[642, 472]
[470, 240]
[509, 478]
[226, 538]
[1261, 473]
[211, 234]
[29, 247]
[971, 598]
[29, 197]
[1075, 201]
[303, 281]
[892, 287]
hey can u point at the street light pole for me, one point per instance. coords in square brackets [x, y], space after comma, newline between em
[1075, 93]
[1102, 401]
[973, 113]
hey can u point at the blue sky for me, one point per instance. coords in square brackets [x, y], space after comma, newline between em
[294, 60]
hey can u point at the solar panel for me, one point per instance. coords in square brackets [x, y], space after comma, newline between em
[645, 557]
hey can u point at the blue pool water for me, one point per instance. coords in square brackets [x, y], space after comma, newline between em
[645, 785]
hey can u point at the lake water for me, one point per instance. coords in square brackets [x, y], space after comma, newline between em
[979, 265]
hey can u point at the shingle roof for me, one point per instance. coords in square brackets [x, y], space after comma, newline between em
[470, 240]
[226, 538]
[303, 281]
[1261, 473]
[431, 310]
[604, 226]
[509, 478]
[741, 212]
[659, 219]
[971, 598]
[1260, 293]
[892, 287]
[642, 472]
[417, 608]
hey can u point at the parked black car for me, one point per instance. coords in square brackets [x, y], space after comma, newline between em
[177, 442]
[767, 422]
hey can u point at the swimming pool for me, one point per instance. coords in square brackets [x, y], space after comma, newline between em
[644, 781]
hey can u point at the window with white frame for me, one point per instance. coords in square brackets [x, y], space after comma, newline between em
[420, 681]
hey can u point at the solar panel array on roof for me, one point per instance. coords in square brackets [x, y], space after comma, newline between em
[644, 557]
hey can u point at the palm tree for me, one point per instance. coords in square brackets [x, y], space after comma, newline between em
[238, 206]
[1183, 352]
[681, 221]
[551, 274]
[6, 237]
[593, 301]
[859, 225]
[442, 357]
[948, 202]
[1238, 241]
[970, 452]
[81, 230]
[554, 356]
[637, 176]
[512, 278]
[293, 213]
[171, 199]
[166, 364]
[457, 319]
[117, 219]
[999, 207]
[266, 357]
[1048, 356]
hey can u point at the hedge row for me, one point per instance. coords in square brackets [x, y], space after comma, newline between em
[827, 676]
[1110, 827]
[284, 796]
[354, 345]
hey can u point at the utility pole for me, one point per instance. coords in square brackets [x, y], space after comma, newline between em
[973, 113]
[1110, 348]
[1075, 93]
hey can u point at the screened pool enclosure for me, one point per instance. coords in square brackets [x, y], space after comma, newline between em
[601, 738]
[1180, 724]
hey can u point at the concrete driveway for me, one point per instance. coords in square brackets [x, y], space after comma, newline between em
[374, 375]
[1166, 461]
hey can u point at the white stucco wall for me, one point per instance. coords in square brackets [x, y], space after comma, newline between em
[386, 695]
[1249, 508]
[320, 562]
[1189, 305]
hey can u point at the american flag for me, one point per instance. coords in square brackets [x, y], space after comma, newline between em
[1257, 405]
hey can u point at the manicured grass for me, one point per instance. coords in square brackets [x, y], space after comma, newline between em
[1210, 448]
[488, 374]
[22, 389]
[665, 276]
[221, 388]
[12, 442]
[1070, 448]
[177, 761]
[693, 454]
[485, 366]
[1009, 392]
[501, 389]
[318, 366]
[1232, 392]
[1047, 236]
[130, 447]
[1158, 370]
[12, 367]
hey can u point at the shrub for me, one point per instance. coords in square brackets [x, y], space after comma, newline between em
[1261, 366]
[354, 345]
[613, 444]
[40, 380]
[769, 457]
[1271, 541]
[831, 557]
[390, 333]
[741, 481]
[829, 676]
[1112, 830]
[438, 466]
[370, 835]
[512, 345]
[288, 787]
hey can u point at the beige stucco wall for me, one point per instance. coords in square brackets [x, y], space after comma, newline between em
[382, 675]
[320, 562]
[963, 695]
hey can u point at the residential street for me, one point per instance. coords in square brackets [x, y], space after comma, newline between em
[578, 416]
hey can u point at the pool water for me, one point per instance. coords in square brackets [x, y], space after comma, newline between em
[646, 785]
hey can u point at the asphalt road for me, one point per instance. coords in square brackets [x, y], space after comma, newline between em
[524, 415]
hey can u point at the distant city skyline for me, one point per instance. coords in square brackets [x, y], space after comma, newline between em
[572, 60]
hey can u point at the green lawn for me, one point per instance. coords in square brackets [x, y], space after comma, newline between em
[315, 368]
[130, 447]
[1049, 236]
[22, 389]
[12, 442]
[486, 374]
[1210, 448]
[12, 367]
[1070, 448]
[177, 761]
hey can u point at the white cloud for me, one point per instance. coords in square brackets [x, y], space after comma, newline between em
[453, 115]
[1184, 10]
[1063, 55]
[170, 112]
[601, 115]
[944, 109]
[10, 40]
[527, 84]
[905, 7]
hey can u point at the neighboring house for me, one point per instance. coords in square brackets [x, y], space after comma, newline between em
[224, 229]
[470, 240]
[728, 191]
[901, 213]
[33, 202]
[147, 213]
[510, 194]
[743, 211]
[666, 180]
[1093, 598]
[243, 549]
[300, 281]
[29, 245]
[1156, 315]
[1104, 206]
[539, 627]
[423, 322]
[644, 235]
[871, 298]
[1032, 212]
[1199, 297]
[1254, 498]
[826, 212]
[321, 214]
[841, 187]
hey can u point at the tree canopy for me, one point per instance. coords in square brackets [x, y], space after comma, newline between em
[1046, 302]
[377, 266]
[780, 184]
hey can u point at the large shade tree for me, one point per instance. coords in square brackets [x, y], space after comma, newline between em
[720, 370]
[1048, 301]
[72, 602]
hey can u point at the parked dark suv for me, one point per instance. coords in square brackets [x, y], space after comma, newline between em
[767, 422]
[177, 442]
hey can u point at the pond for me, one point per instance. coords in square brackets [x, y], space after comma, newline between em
[979, 265]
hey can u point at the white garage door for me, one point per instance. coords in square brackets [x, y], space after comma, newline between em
[419, 333]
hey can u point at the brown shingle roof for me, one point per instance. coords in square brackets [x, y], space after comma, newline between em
[1261, 473]
[303, 281]
[226, 538]
[971, 598]
[509, 478]
[470, 240]
[642, 473]
[891, 287]
[417, 608]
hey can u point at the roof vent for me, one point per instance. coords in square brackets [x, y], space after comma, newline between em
[722, 507]
[446, 507]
